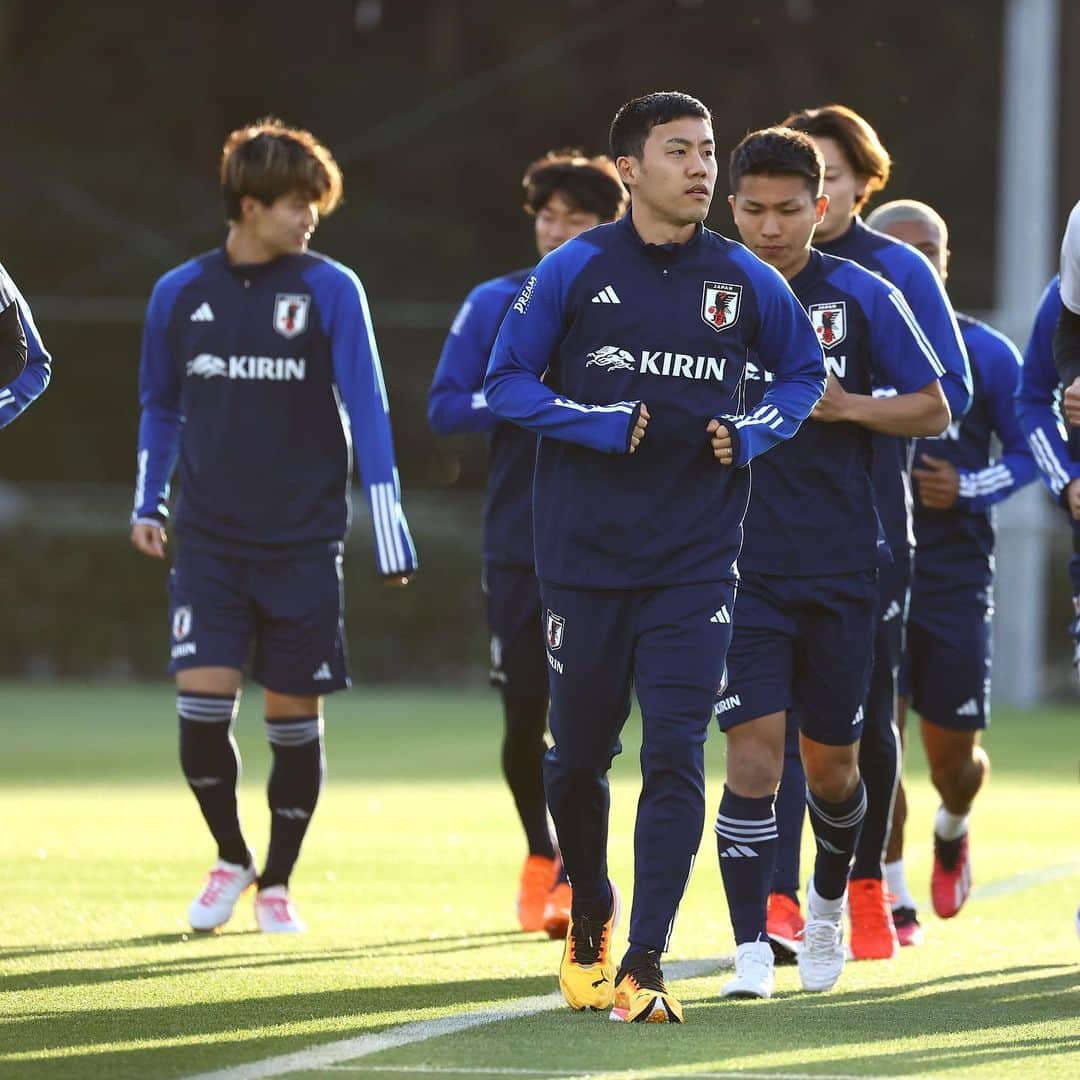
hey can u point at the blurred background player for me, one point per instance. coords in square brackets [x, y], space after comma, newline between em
[804, 624]
[25, 365]
[637, 524]
[856, 166]
[565, 194]
[1038, 409]
[957, 482]
[259, 372]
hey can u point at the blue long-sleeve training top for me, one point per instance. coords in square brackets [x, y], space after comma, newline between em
[255, 383]
[456, 405]
[607, 322]
[954, 548]
[1038, 399]
[28, 386]
[910, 271]
[812, 508]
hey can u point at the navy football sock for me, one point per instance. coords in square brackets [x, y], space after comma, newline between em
[210, 759]
[746, 844]
[879, 766]
[293, 790]
[790, 815]
[523, 752]
[836, 828]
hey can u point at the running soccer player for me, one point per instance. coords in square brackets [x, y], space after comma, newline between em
[804, 627]
[259, 372]
[641, 331]
[856, 166]
[956, 485]
[25, 364]
[1038, 409]
[565, 194]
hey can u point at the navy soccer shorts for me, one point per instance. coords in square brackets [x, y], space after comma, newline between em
[290, 610]
[802, 644]
[949, 642]
[518, 664]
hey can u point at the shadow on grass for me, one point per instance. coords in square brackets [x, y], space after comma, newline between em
[214, 1026]
[448, 943]
[222, 1033]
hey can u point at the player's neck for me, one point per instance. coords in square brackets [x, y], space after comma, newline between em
[654, 229]
[821, 238]
[797, 267]
[245, 249]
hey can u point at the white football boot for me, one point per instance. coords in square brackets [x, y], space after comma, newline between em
[754, 977]
[822, 956]
[225, 884]
[274, 912]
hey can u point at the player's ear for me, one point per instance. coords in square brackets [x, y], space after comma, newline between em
[820, 206]
[731, 203]
[627, 167]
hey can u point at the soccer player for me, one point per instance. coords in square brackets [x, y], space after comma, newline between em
[565, 194]
[25, 364]
[1038, 411]
[626, 350]
[957, 483]
[856, 166]
[259, 373]
[804, 627]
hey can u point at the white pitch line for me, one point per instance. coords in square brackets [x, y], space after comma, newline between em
[605, 1074]
[333, 1053]
[1019, 882]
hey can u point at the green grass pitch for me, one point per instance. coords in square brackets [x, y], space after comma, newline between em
[408, 880]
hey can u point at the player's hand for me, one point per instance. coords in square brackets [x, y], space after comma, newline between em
[1070, 403]
[639, 428]
[149, 538]
[1072, 499]
[398, 581]
[833, 406]
[720, 439]
[938, 483]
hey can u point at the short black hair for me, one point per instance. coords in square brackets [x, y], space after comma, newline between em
[777, 151]
[638, 117]
[591, 185]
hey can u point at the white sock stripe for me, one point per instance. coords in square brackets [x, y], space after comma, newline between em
[207, 710]
[725, 828]
[294, 732]
[845, 822]
[745, 837]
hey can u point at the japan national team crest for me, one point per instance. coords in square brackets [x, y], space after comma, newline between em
[181, 622]
[553, 630]
[830, 323]
[720, 304]
[290, 313]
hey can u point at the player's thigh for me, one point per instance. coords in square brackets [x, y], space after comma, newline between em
[953, 688]
[211, 620]
[833, 657]
[760, 658]
[519, 665]
[300, 646]
[948, 750]
[680, 657]
[588, 647]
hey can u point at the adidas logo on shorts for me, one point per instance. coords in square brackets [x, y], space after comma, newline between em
[969, 708]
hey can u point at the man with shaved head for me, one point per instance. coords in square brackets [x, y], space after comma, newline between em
[956, 484]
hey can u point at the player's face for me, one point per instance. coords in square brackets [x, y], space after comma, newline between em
[285, 226]
[776, 217]
[843, 186]
[925, 236]
[558, 221]
[675, 177]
